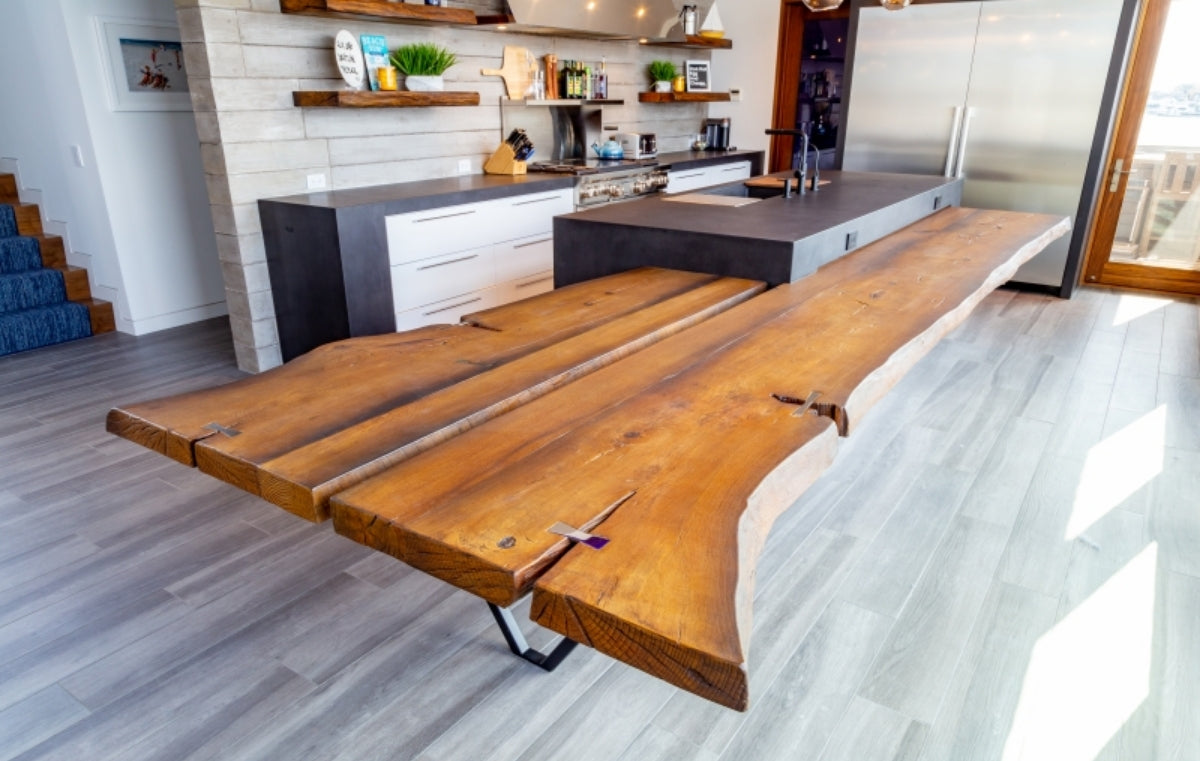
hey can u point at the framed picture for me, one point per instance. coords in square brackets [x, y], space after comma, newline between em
[697, 73]
[144, 61]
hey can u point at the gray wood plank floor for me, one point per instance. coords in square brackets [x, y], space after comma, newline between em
[1003, 563]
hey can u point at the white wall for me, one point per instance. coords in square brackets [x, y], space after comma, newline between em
[42, 118]
[753, 25]
[137, 210]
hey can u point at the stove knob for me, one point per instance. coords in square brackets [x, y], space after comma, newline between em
[614, 191]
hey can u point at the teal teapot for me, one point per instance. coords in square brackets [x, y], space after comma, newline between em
[610, 150]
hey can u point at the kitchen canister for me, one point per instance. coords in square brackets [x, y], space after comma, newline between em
[689, 20]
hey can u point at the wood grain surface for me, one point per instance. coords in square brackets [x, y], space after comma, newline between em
[682, 455]
[296, 442]
[388, 9]
[514, 70]
[381, 99]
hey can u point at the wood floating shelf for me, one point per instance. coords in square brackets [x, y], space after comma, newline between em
[569, 102]
[694, 41]
[682, 97]
[381, 99]
[420, 14]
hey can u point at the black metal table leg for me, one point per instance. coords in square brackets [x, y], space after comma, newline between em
[516, 642]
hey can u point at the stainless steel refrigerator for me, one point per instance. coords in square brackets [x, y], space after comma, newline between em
[1015, 96]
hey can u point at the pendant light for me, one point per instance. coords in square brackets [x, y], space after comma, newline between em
[821, 5]
[894, 5]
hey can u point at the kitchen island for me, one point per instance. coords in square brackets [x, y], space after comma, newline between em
[333, 259]
[776, 240]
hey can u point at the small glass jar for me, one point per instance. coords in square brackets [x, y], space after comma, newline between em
[387, 78]
[679, 83]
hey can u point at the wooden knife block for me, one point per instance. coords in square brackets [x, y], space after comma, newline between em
[503, 161]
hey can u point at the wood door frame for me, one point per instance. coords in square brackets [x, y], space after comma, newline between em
[1098, 270]
[790, 56]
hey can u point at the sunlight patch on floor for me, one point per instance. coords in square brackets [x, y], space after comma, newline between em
[1089, 673]
[1132, 306]
[1117, 467]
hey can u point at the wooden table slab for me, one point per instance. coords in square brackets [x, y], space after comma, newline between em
[298, 433]
[683, 455]
[675, 414]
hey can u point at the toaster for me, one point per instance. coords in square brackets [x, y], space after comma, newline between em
[638, 145]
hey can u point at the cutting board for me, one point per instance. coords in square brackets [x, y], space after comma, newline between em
[712, 200]
[516, 71]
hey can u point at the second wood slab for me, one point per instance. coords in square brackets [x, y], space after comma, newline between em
[684, 455]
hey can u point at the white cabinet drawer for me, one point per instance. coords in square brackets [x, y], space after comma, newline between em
[688, 179]
[422, 234]
[441, 277]
[731, 172]
[527, 256]
[691, 179]
[531, 214]
[531, 285]
[451, 311]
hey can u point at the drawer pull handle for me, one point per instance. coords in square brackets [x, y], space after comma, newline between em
[447, 216]
[732, 169]
[449, 261]
[536, 200]
[533, 243]
[690, 176]
[535, 282]
[453, 306]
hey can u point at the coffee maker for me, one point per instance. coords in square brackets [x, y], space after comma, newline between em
[716, 134]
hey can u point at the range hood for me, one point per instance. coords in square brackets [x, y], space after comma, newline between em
[621, 19]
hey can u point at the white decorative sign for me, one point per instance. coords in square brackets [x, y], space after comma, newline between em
[349, 59]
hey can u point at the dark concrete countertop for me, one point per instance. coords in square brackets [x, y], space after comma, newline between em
[420, 195]
[431, 194]
[774, 239]
[691, 159]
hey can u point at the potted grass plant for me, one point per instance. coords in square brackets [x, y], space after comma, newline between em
[661, 74]
[423, 64]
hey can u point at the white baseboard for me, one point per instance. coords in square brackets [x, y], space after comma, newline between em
[176, 319]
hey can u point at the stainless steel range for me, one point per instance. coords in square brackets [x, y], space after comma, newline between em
[601, 182]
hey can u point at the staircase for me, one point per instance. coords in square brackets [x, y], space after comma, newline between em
[43, 300]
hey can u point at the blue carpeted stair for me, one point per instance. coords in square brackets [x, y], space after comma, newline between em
[34, 310]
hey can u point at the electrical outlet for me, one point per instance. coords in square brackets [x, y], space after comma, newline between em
[464, 166]
[316, 182]
[735, 94]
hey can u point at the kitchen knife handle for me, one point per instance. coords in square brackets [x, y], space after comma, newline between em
[952, 150]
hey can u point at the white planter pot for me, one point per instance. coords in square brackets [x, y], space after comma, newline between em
[424, 84]
[662, 85]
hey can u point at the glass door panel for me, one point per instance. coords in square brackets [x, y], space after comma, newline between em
[1153, 189]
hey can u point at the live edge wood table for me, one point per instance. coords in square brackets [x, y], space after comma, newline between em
[673, 413]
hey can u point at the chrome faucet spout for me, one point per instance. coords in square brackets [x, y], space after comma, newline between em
[802, 170]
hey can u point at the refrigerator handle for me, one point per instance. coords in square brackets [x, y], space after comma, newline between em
[952, 150]
[962, 141]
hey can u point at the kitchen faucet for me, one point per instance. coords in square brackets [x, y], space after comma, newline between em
[800, 162]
